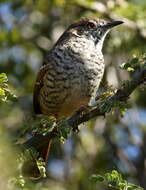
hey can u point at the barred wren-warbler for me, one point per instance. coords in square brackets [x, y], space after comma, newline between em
[73, 69]
[70, 77]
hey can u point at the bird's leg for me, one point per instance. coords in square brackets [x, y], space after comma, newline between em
[79, 113]
[76, 129]
[83, 110]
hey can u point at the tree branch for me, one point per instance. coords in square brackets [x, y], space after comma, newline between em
[122, 94]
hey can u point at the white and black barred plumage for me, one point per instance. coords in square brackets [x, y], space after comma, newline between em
[73, 69]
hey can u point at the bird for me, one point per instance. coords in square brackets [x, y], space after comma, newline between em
[72, 71]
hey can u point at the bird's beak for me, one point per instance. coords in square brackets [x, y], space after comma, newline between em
[112, 24]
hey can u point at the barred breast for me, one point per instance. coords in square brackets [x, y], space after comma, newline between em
[70, 79]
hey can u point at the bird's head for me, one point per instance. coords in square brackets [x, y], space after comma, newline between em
[91, 29]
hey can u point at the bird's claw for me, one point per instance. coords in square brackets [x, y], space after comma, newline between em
[76, 129]
[83, 110]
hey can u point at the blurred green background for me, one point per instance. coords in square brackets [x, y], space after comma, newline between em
[28, 29]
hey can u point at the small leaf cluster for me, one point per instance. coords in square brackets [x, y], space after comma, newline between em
[64, 129]
[103, 99]
[107, 103]
[105, 93]
[114, 181]
[112, 105]
[31, 164]
[134, 63]
[41, 124]
[5, 93]
[131, 65]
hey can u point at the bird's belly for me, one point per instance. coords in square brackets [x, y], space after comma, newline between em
[70, 93]
[66, 104]
[81, 92]
[72, 104]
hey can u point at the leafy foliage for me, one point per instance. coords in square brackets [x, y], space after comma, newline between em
[28, 30]
[5, 93]
[134, 63]
[115, 181]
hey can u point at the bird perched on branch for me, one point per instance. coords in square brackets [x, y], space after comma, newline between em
[72, 69]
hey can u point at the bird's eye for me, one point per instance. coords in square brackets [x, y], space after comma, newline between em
[91, 25]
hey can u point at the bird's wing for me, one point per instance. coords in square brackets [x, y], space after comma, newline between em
[37, 87]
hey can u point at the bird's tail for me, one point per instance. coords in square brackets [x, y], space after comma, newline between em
[44, 152]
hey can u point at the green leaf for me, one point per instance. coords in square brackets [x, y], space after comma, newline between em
[100, 178]
[131, 65]
[3, 78]
[134, 61]
[2, 92]
[130, 69]
[114, 180]
[97, 178]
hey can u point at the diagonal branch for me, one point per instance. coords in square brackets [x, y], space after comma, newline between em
[122, 94]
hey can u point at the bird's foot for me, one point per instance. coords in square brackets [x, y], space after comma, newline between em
[83, 110]
[76, 129]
